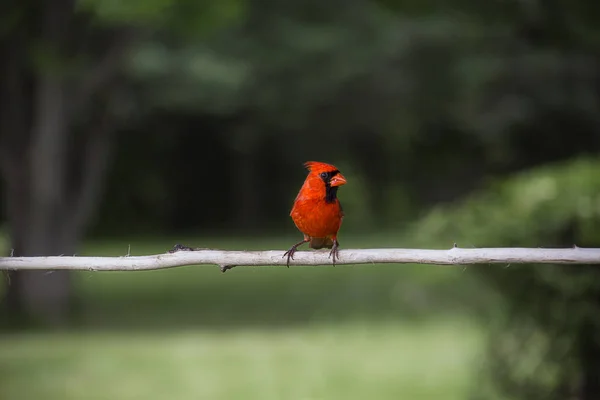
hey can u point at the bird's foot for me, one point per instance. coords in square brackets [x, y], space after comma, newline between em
[291, 251]
[290, 254]
[180, 247]
[334, 253]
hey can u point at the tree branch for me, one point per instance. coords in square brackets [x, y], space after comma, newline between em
[229, 259]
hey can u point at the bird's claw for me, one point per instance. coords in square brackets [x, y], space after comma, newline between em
[334, 253]
[290, 255]
[292, 250]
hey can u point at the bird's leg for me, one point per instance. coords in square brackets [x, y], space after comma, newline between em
[292, 250]
[334, 251]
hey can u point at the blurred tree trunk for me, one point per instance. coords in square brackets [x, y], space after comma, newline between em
[47, 211]
[53, 149]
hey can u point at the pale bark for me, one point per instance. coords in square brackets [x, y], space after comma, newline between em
[229, 259]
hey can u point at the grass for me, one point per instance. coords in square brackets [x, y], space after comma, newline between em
[346, 361]
[351, 332]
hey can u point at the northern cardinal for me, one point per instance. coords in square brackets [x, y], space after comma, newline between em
[317, 212]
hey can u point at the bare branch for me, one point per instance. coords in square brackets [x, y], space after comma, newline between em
[229, 259]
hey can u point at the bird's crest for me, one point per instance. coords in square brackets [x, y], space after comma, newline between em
[318, 167]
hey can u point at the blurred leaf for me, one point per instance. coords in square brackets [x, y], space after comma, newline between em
[185, 17]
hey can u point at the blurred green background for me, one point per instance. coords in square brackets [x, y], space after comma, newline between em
[127, 127]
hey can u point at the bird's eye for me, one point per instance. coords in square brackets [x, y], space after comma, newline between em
[323, 175]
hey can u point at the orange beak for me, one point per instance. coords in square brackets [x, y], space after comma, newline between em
[338, 180]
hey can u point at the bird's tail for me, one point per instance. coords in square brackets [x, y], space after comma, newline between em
[319, 243]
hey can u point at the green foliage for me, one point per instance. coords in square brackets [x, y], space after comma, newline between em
[531, 209]
[544, 344]
[183, 17]
[191, 78]
[449, 94]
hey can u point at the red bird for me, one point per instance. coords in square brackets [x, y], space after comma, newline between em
[317, 212]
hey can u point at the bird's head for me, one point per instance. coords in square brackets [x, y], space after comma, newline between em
[326, 176]
[328, 173]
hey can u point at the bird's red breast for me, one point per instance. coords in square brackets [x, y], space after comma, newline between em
[317, 211]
